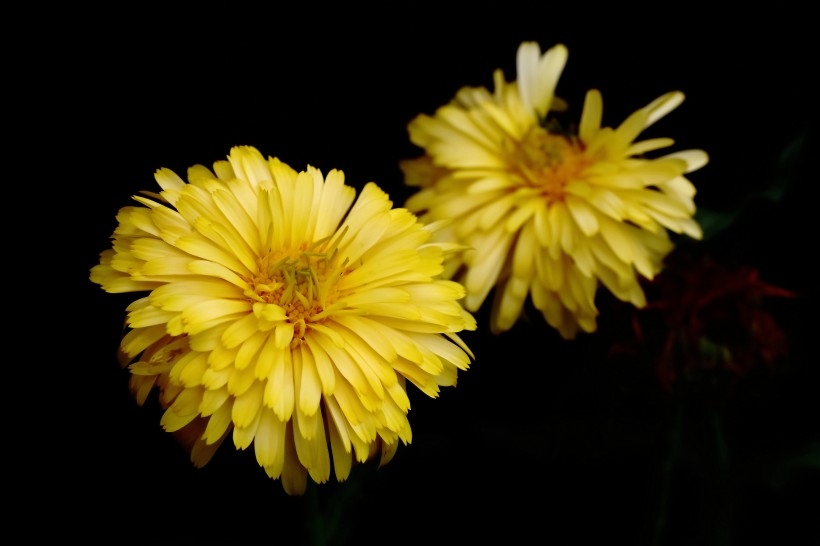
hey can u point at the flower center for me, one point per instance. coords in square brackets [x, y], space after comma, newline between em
[302, 281]
[548, 161]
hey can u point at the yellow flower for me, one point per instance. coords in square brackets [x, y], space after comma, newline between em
[545, 213]
[279, 314]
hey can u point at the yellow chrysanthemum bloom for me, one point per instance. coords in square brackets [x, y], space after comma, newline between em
[546, 213]
[278, 313]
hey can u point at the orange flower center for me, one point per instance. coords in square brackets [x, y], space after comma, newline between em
[548, 161]
[302, 281]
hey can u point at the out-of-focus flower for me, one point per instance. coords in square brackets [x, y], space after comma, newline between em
[279, 314]
[547, 213]
[702, 315]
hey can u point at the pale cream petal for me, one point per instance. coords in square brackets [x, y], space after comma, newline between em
[591, 116]
[662, 106]
[538, 75]
[695, 159]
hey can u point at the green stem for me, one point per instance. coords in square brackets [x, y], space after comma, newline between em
[330, 509]
[722, 508]
[675, 443]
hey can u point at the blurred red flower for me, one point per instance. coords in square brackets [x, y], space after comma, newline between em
[702, 315]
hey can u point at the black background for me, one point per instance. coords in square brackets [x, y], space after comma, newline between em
[543, 440]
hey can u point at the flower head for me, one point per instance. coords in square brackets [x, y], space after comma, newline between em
[546, 213]
[280, 315]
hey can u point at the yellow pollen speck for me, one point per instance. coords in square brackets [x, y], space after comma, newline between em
[547, 161]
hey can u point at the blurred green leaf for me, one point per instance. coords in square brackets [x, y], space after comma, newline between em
[805, 459]
[713, 222]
